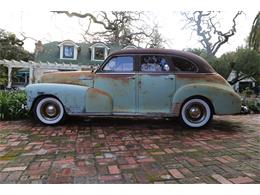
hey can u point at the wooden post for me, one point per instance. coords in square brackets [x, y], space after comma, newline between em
[31, 75]
[9, 84]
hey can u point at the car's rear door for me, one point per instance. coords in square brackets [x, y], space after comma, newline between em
[156, 84]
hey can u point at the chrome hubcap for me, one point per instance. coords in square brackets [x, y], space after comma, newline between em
[195, 113]
[50, 110]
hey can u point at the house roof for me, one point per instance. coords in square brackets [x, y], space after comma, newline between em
[51, 53]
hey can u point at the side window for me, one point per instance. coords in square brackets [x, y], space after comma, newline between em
[154, 63]
[120, 64]
[182, 65]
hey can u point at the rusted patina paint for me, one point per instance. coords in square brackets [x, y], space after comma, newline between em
[201, 77]
[73, 97]
[124, 78]
[98, 101]
[121, 88]
[84, 78]
[176, 107]
[137, 93]
[155, 93]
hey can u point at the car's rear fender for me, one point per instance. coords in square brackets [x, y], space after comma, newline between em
[223, 99]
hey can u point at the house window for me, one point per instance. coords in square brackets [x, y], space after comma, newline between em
[99, 53]
[68, 51]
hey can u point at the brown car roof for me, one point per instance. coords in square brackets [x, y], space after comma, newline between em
[202, 64]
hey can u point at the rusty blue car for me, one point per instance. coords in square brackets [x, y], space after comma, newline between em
[136, 82]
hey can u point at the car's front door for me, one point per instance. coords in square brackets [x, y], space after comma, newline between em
[117, 78]
[156, 84]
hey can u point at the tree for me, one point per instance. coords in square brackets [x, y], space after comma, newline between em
[244, 61]
[206, 25]
[118, 27]
[222, 68]
[254, 37]
[11, 48]
[156, 39]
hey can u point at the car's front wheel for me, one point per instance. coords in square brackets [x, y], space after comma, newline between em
[49, 111]
[196, 113]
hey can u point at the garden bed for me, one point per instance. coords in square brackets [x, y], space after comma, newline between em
[12, 105]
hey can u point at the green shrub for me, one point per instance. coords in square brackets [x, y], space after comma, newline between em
[254, 106]
[11, 105]
[247, 92]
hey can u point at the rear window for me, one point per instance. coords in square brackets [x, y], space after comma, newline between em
[182, 65]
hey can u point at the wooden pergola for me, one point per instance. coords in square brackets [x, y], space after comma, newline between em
[32, 66]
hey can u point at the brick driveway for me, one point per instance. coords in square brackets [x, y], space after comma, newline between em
[131, 151]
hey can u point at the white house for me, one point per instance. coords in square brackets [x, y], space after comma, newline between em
[241, 85]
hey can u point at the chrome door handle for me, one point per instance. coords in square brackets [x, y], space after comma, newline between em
[85, 78]
[169, 77]
[132, 77]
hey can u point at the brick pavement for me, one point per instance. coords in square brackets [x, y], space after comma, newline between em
[131, 151]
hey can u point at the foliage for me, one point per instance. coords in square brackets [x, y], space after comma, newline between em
[207, 27]
[247, 64]
[156, 40]
[11, 48]
[247, 92]
[215, 62]
[11, 105]
[245, 61]
[253, 104]
[3, 75]
[254, 37]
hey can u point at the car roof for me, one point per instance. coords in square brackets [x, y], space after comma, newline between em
[202, 64]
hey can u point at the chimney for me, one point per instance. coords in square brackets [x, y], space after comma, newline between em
[38, 48]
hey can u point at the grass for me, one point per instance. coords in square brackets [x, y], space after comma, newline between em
[99, 145]
[10, 155]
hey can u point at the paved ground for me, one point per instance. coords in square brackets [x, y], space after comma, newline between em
[131, 151]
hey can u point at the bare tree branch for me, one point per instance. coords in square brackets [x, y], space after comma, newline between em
[119, 27]
[205, 26]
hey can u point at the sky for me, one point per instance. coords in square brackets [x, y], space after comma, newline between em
[47, 26]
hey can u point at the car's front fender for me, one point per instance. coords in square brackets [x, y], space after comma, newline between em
[75, 99]
[223, 99]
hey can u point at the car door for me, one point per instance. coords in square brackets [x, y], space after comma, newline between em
[118, 78]
[156, 84]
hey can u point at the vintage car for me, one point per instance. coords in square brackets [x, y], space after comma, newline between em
[136, 82]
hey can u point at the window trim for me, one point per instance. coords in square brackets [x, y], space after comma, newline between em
[98, 45]
[183, 58]
[68, 43]
[94, 53]
[166, 56]
[63, 51]
[107, 71]
[100, 69]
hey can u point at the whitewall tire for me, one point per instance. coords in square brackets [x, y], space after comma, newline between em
[49, 111]
[196, 113]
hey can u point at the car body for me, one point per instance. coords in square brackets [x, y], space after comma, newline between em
[137, 82]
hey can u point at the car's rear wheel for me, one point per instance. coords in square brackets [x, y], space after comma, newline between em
[49, 111]
[196, 113]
